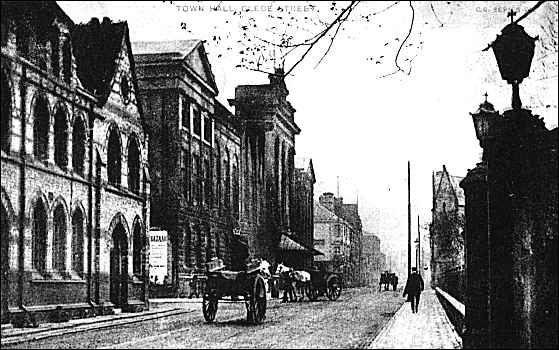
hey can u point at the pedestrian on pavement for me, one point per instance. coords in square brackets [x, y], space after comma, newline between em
[413, 289]
[395, 280]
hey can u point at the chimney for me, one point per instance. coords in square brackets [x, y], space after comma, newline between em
[327, 200]
[106, 21]
[277, 77]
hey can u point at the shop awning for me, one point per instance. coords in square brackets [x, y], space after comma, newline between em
[288, 243]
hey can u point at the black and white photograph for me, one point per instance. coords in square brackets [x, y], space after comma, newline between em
[279, 174]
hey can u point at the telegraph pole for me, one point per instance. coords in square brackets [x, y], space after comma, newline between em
[409, 222]
[418, 248]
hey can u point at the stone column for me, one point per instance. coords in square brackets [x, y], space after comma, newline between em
[475, 243]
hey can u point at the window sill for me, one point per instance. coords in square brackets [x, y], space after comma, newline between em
[60, 281]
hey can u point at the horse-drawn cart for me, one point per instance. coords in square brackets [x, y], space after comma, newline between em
[322, 283]
[248, 284]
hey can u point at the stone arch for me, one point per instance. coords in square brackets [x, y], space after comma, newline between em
[79, 225]
[117, 238]
[118, 218]
[39, 217]
[6, 224]
[79, 140]
[6, 111]
[139, 242]
[114, 154]
[41, 120]
[60, 229]
[61, 118]
[134, 163]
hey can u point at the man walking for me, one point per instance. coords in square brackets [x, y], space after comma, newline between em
[413, 289]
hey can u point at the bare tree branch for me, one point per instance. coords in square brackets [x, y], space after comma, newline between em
[399, 69]
[434, 13]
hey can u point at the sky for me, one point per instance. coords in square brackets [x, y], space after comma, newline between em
[356, 125]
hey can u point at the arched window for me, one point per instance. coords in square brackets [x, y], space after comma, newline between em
[133, 166]
[60, 139]
[77, 242]
[41, 129]
[59, 239]
[114, 157]
[137, 246]
[67, 60]
[78, 146]
[39, 234]
[6, 115]
[235, 180]
[55, 51]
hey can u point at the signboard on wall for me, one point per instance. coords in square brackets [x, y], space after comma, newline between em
[157, 256]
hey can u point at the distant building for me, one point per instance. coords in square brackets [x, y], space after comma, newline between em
[302, 217]
[332, 236]
[371, 259]
[447, 226]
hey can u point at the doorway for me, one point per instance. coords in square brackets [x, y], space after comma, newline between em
[119, 267]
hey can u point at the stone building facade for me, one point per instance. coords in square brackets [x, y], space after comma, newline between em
[195, 159]
[447, 226]
[371, 260]
[511, 234]
[75, 187]
[332, 236]
[267, 130]
[302, 213]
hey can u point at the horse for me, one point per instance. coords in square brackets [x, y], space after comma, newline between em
[293, 281]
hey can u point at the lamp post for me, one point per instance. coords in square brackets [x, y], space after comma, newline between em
[514, 50]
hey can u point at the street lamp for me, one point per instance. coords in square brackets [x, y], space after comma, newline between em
[484, 119]
[514, 50]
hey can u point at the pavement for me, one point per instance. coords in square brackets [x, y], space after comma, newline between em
[430, 328]
[162, 307]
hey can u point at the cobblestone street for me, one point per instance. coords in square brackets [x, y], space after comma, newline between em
[351, 322]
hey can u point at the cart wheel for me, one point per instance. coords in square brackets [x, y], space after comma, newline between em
[256, 312]
[333, 288]
[209, 307]
[312, 293]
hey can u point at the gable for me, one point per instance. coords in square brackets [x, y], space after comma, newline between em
[197, 60]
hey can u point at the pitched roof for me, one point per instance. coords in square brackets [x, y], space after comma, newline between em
[178, 49]
[97, 47]
[454, 183]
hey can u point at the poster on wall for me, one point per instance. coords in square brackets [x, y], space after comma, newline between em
[157, 256]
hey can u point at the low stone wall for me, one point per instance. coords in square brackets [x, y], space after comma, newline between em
[454, 309]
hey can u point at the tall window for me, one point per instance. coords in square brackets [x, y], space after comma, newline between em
[67, 60]
[133, 166]
[137, 246]
[185, 172]
[78, 146]
[185, 111]
[55, 51]
[41, 129]
[6, 115]
[60, 139]
[235, 180]
[227, 184]
[39, 242]
[59, 239]
[207, 129]
[207, 183]
[114, 157]
[77, 242]
[218, 179]
[195, 179]
[197, 122]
